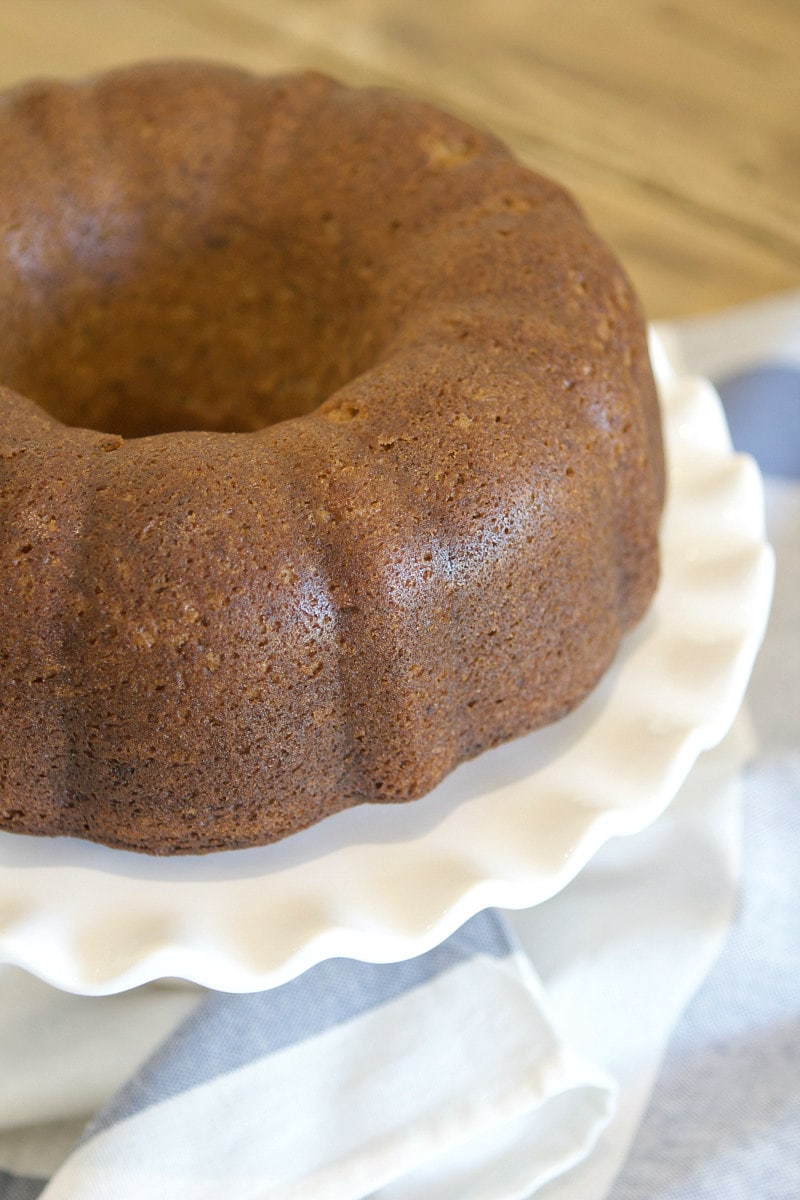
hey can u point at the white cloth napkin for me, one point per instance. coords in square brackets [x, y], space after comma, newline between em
[334, 1085]
[465, 1074]
[442, 1077]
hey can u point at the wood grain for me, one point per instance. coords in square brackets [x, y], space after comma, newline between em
[675, 123]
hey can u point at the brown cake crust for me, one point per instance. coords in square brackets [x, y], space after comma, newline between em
[329, 454]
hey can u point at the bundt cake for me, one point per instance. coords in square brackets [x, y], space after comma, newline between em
[329, 454]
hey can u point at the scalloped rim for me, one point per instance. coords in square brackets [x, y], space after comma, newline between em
[383, 883]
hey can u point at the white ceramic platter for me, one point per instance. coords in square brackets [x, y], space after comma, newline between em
[511, 828]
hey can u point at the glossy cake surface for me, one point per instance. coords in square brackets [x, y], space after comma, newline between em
[329, 454]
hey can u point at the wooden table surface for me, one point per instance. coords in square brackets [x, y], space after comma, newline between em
[675, 122]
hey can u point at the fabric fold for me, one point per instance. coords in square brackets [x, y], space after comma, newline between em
[355, 1079]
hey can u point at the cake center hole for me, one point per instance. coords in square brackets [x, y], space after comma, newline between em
[226, 334]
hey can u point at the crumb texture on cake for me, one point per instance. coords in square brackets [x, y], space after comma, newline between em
[329, 454]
